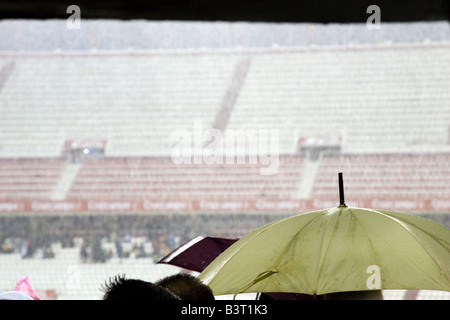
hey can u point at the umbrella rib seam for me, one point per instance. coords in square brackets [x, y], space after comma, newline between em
[406, 227]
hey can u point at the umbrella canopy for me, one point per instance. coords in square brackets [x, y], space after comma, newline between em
[335, 250]
[197, 253]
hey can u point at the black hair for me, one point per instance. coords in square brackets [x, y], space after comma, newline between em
[187, 287]
[120, 288]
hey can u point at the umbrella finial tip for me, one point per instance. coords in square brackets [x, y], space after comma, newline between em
[341, 191]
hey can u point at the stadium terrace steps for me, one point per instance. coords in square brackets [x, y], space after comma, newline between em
[160, 178]
[392, 178]
[5, 71]
[29, 178]
[408, 176]
[136, 103]
[376, 98]
[231, 95]
[387, 105]
[65, 181]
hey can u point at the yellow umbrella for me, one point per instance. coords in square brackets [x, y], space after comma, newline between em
[335, 250]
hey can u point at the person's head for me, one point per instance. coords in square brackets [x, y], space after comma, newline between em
[120, 288]
[187, 287]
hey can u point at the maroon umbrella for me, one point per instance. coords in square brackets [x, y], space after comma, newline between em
[199, 252]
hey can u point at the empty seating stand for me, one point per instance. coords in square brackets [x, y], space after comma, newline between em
[391, 176]
[26, 178]
[387, 105]
[159, 178]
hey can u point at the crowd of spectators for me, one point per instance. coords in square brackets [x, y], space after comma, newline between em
[102, 237]
[98, 238]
